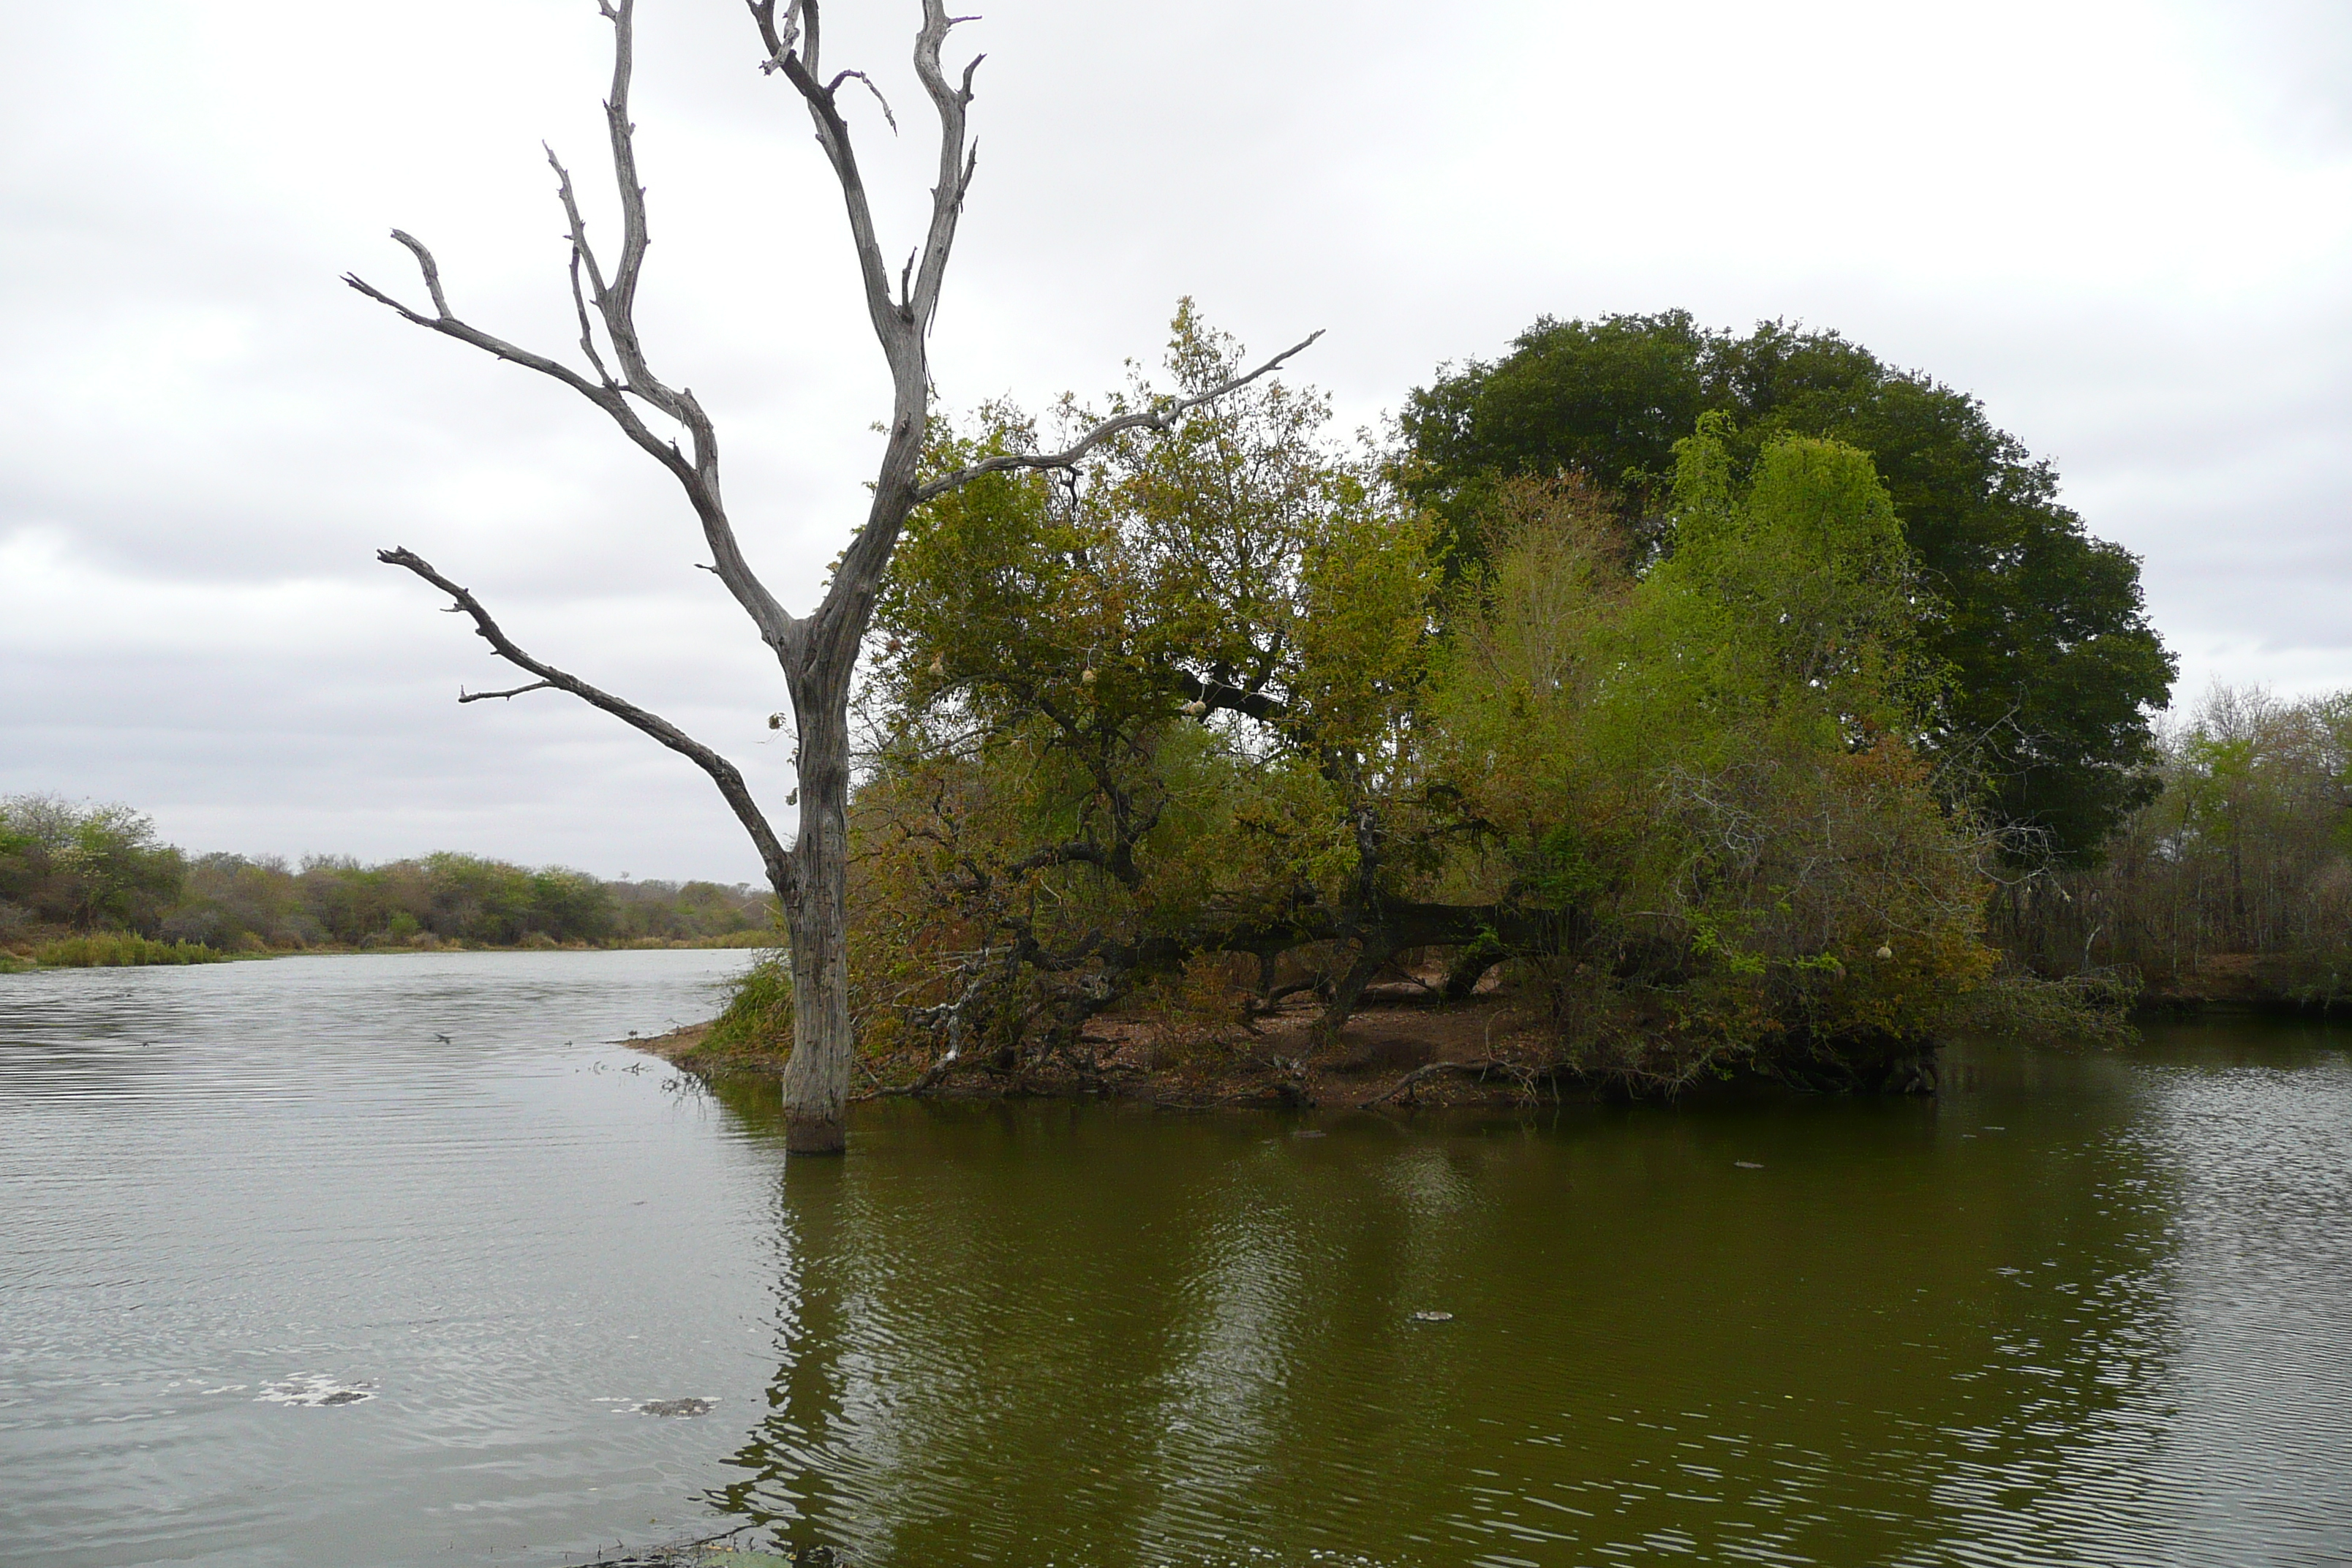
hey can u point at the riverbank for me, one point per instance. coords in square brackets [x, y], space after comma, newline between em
[124, 950]
[2250, 983]
[1400, 1048]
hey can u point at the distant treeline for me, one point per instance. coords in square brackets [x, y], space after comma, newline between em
[69, 869]
[2244, 853]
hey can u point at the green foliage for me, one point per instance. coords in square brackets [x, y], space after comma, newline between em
[1216, 699]
[118, 949]
[451, 897]
[1116, 715]
[1706, 769]
[2054, 667]
[2244, 855]
[758, 1017]
[2092, 1008]
[88, 868]
[98, 870]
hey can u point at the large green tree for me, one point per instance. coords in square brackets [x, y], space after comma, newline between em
[2053, 666]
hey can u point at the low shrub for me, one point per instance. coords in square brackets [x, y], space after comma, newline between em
[759, 1014]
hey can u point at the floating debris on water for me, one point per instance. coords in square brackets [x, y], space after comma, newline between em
[1747, 1165]
[1432, 1317]
[314, 1390]
[676, 1406]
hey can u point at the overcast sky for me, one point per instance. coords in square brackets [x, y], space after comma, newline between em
[2127, 227]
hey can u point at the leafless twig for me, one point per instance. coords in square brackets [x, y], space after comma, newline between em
[1163, 419]
[466, 696]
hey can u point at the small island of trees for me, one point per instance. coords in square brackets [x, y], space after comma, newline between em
[1786, 745]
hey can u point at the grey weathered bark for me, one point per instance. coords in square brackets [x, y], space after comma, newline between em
[818, 652]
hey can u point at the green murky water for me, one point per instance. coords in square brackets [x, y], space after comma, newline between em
[2081, 1309]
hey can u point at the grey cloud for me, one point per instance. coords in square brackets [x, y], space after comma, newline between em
[205, 436]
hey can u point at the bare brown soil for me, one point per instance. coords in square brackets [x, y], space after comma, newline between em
[1403, 1046]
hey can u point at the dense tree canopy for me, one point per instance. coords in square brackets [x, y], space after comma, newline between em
[84, 867]
[1218, 698]
[67, 867]
[2054, 667]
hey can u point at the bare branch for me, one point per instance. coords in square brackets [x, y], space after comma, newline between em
[612, 300]
[466, 696]
[778, 40]
[587, 335]
[1153, 419]
[451, 326]
[431, 272]
[781, 873]
[1410, 1081]
[835, 85]
[833, 135]
[579, 229]
[582, 253]
[954, 177]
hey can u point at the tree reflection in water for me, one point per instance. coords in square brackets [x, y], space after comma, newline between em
[1836, 1331]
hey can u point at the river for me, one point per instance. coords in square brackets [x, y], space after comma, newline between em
[376, 1261]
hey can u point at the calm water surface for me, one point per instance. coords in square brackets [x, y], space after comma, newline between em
[290, 1279]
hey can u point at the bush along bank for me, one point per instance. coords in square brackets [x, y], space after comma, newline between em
[71, 871]
[106, 950]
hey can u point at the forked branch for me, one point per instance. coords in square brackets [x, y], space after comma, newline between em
[610, 301]
[723, 774]
[509, 695]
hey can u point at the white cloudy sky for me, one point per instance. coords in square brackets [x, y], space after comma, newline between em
[2125, 227]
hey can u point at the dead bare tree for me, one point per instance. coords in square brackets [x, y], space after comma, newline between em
[818, 652]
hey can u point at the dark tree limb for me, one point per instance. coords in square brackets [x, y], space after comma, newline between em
[1471, 963]
[722, 773]
[1210, 696]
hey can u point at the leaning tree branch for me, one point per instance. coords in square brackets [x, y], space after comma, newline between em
[723, 774]
[1158, 419]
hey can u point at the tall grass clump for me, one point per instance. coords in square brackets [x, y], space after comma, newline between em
[111, 950]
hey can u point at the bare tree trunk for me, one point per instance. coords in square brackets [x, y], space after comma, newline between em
[817, 652]
[1372, 952]
[825, 1046]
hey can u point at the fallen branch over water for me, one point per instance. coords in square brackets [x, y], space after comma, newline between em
[1406, 1084]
